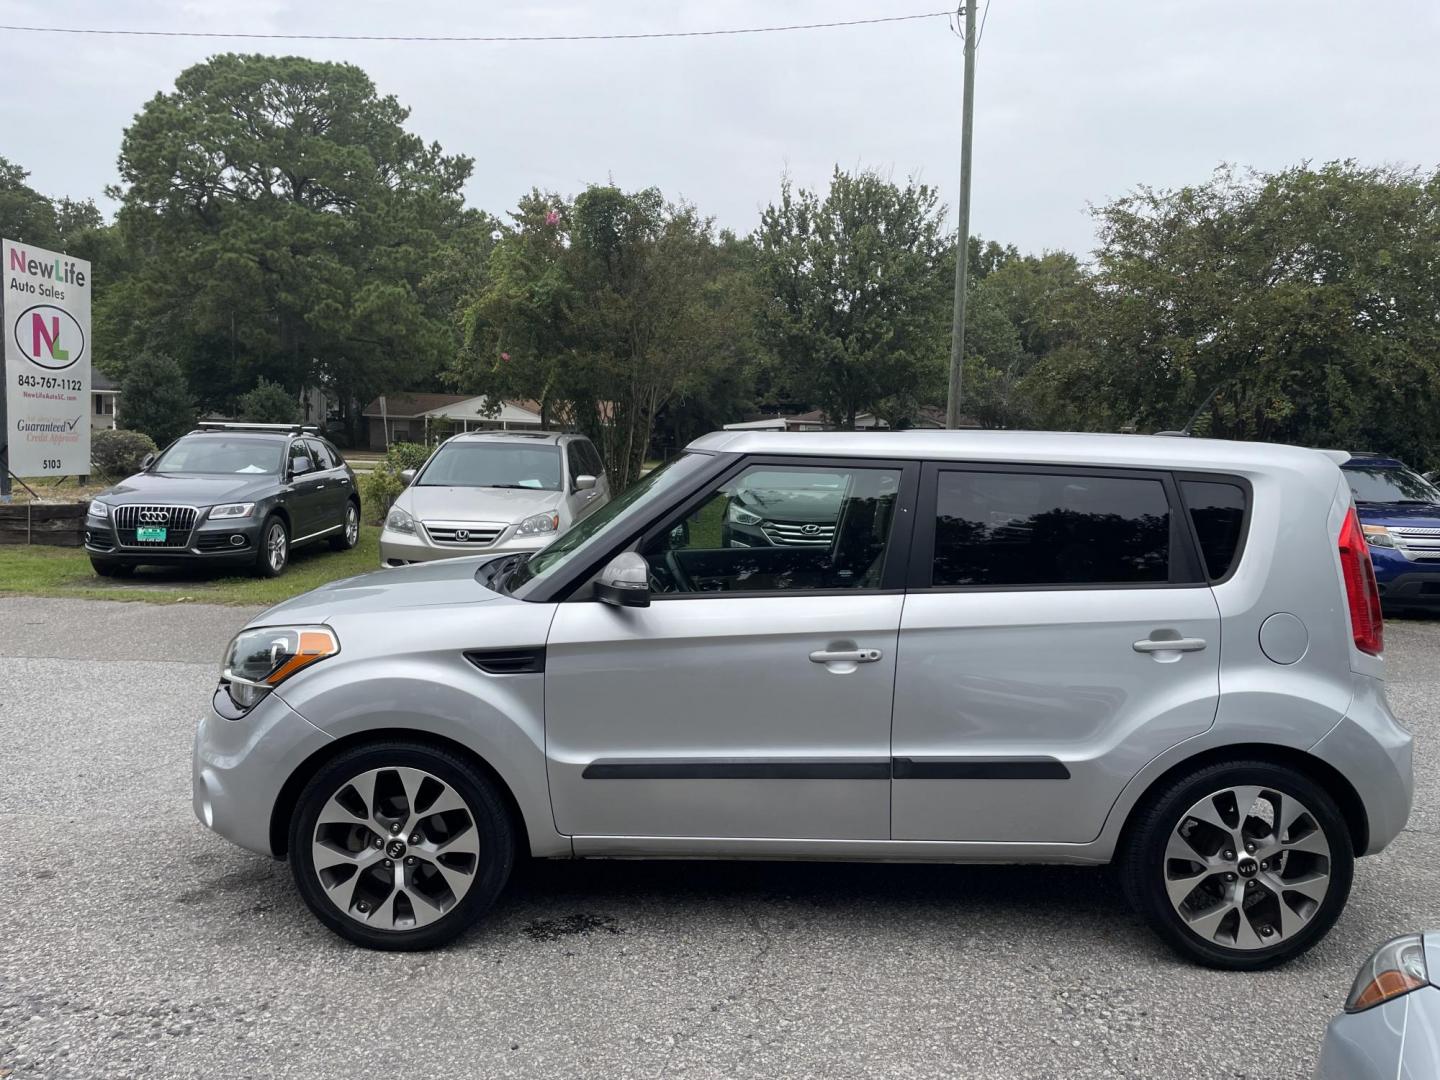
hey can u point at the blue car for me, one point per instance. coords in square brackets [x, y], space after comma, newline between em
[1400, 515]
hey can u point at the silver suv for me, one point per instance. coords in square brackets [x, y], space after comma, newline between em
[1007, 647]
[493, 491]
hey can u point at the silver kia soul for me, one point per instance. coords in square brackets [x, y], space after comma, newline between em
[927, 646]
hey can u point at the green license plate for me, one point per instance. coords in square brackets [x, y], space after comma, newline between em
[149, 532]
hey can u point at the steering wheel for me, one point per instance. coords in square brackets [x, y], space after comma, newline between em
[678, 574]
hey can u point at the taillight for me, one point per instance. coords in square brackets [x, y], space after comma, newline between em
[1361, 592]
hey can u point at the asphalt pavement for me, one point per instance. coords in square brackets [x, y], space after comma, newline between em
[134, 943]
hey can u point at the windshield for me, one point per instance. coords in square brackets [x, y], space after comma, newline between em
[1390, 485]
[628, 508]
[493, 465]
[218, 455]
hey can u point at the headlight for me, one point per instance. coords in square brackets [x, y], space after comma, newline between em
[399, 521]
[1378, 536]
[740, 516]
[261, 659]
[98, 509]
[1396, 968]
[232, 510]
[538, 523]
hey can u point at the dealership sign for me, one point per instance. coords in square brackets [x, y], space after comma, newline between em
[47, 361]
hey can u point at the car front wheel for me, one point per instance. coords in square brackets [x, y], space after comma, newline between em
[400, 846]
[274, 552]
[1240, 866]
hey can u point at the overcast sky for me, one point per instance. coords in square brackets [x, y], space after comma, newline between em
[1077, 102]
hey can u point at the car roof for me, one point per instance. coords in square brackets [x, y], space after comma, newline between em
[1037, 447]
[542, 437]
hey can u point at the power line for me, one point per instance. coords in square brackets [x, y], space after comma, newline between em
[477, 37]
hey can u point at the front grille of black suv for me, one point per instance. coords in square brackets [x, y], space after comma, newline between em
[177, 521]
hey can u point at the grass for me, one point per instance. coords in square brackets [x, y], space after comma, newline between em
[54, 571]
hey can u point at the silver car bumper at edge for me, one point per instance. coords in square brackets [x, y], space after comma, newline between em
[1372, 750]
[239, 767]
[400, 548]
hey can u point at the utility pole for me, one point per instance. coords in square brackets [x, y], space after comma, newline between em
[962, 248]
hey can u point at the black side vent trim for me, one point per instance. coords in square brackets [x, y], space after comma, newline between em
[509, 661]
[737, 770]
[1038, 768]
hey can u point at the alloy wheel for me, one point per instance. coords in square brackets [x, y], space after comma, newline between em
[396, 848]
[352, 525]
[1247, 867]
[276, 547]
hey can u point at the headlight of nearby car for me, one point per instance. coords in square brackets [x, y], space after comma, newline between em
[399, 521]
[98, 509]
[538, 523]
[1379, 536]
[1397, 967]
[740, 516]
[261, 659]
[232, 510]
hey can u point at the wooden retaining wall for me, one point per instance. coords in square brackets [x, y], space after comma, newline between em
[57, 524]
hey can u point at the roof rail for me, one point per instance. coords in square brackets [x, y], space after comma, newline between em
[289, 429]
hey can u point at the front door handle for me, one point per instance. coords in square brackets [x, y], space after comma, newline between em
[1157, 645]
[844, 656]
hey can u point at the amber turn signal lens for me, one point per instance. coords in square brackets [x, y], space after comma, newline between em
[1396, 968]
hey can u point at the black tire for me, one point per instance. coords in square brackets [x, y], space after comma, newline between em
[265, 567]
[1143, 862]
[110, 568]
[495, 836]
[349, 535]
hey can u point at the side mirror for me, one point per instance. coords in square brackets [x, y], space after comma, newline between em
[407, 476]
[147, 461]
[584, 483]
[625, 581]
[300, 466]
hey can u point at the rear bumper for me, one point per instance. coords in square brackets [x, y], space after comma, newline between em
[1372, 750]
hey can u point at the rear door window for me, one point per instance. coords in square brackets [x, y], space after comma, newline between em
[1217, 510]
[321, 453]
[1007, 529]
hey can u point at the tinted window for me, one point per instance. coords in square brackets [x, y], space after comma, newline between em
[769, 530]
[1218, 511]
[591, 457]
[999, 529]
[216, 454]
[494, 465]
[320, 453]
[299, 450]
[1389, 485]
[577, 465]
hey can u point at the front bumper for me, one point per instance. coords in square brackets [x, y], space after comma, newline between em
[1417, 587]
[401, 549]
[1370, 749]
[239, 767]
[220, 542]
[1399, 1039]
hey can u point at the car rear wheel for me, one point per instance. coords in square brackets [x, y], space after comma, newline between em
[274, 552]
[400, 846]
[350, 534]
[1240, 866]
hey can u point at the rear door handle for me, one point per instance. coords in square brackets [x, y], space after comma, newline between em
[1184, 644]
[844, 656]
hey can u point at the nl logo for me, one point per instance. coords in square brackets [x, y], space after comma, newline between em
[49, 337]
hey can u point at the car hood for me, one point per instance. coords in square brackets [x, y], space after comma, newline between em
[794, 505]
[1418, 515]
[428, 584]
[476, 504]
[192, 490]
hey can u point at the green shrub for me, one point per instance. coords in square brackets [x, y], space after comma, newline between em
[268, 403]
[406, 455]
[116, 453]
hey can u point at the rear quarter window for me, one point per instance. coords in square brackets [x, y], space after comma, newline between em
[1217, 510]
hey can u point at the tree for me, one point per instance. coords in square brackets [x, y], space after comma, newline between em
[29, 217]
[154, 397]
[287, 220]
[269, 403]
[1303, 300]
[854, 303]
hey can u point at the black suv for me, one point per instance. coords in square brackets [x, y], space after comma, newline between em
[226, 494]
